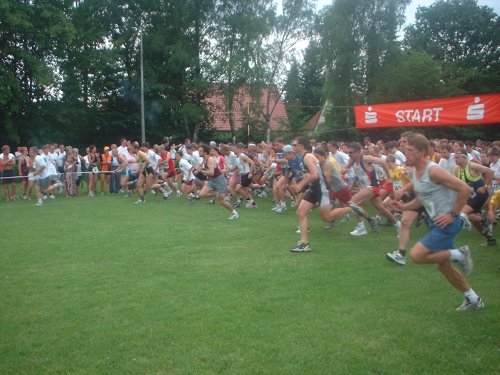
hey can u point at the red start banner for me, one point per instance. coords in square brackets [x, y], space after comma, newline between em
[464, 110]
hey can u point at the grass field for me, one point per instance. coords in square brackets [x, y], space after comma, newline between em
[104, 286]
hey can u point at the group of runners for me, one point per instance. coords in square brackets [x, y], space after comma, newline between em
[447, 184]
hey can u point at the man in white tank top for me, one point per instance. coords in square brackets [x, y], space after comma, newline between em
[443, 196]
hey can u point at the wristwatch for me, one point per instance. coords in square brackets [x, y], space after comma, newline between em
[453, 213]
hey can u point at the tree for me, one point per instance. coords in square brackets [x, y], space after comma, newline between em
[464, 37]
[239, 29]
[457, 31]
[358, 37]
[288, 28]
[416, 76]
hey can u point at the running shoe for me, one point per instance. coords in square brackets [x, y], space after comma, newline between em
[301, 248]
[467, 305]
[359, 231]
[331, 225]
[396, 257]
[234, 216]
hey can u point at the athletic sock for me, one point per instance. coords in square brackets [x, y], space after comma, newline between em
[402, 252]
[456, 255]
[471, 296]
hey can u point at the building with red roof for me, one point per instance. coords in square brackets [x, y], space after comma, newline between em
[247, 111]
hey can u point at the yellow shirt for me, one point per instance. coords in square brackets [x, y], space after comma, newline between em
[495, 199]
[399, 177]
[335, 163]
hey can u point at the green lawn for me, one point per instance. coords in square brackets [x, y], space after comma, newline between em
[104, 286]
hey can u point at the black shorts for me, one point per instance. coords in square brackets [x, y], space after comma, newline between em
[200, 176]
[477, 201]
[150, 170]
[7, 177]
[313, 193]
[245, 181]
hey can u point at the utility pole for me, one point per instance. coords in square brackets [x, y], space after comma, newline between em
[143, 123]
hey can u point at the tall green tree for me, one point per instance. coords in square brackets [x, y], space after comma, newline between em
[358, 37]
[239, 29]
[289, 27]
[30, 35]
[462, 35]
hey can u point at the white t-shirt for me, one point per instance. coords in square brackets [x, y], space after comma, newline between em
[341, 157]
[495, 185]
[185, 167]
[122, 150]
[52, 157]
[42, 161]
[60, 158]
[231, 161]
[400, 156]
[449, 164]
[474, 155]
[153, 159]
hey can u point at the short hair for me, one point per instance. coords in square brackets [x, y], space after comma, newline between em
[494, 151]
[391, 144]
[333, 144]
[206, 148]
[406, 134]
[135, 145]
[355, 146]
[304, 142]
[145, 144]
[446, 146]
[390, 158]
[320, 151]
[279, 139]
[420, 142]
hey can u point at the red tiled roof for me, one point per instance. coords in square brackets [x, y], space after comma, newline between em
[241, 104]
[313, 122]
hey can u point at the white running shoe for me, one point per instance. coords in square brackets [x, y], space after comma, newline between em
[467, 305]
[179, 194]
[359, 231]
[298, 231]
[280, 209]
[396, 257]
[52, 196]
[250, 205]
[140, 201]
[234, 216]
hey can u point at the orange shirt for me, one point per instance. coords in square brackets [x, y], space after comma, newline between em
[106, 158]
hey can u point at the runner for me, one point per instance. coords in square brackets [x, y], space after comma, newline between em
[443, 196]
